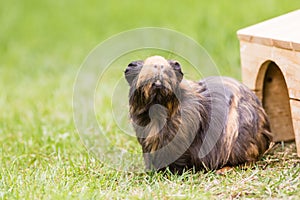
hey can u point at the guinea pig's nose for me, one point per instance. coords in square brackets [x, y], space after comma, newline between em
[159, 67]
[157, 84]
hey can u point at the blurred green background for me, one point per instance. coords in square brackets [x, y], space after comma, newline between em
[42, 45]
[49, 34]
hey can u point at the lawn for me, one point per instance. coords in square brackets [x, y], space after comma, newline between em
[42, 46]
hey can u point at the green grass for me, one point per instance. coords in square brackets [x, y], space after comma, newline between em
[42, 45]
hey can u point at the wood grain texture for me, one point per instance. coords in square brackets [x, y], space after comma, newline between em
[295, 107]
[282, 32]
[276, 102]
[255, 56]
[270, 59]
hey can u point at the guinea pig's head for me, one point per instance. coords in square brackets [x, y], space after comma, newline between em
[154, 78]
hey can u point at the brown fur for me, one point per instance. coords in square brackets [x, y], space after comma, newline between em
[182, 124]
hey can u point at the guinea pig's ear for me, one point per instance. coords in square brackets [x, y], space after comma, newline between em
[132, 70]
[177, 68]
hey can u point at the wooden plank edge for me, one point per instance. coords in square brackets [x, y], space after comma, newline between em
[292, 46]
[295, 111]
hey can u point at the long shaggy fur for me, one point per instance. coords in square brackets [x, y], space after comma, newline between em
[182, 124]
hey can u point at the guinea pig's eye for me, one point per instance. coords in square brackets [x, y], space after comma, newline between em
[136, 63]
[177, 68]
[133, 65]
[132, 70]
[175, 65]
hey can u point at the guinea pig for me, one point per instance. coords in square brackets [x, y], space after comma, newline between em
[182, 124]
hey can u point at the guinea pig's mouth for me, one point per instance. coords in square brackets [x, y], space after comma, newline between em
[157, 85]
[156, 90]
[160, 92]
[160, 89]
